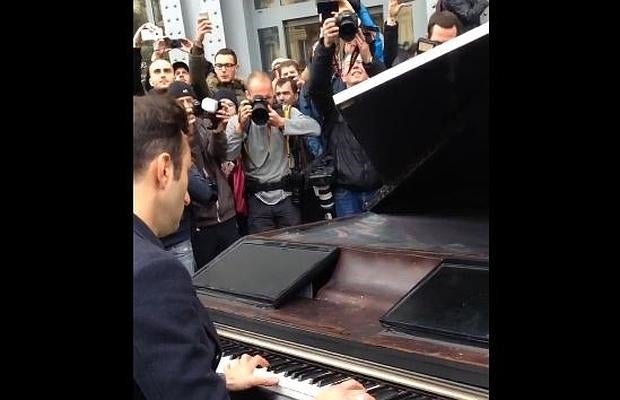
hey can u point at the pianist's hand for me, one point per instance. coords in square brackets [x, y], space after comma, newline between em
[239, 373]
[347, 390]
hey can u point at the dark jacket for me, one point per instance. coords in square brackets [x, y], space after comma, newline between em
[199, 68]
[468, 11]
[353, 169]
[138, 89]
[208, 152]
[175, 345]
[200, 192]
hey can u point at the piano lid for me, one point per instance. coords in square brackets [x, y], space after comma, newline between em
[427, 133]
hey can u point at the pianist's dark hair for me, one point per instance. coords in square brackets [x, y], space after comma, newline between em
[158, 126]
[445, 19]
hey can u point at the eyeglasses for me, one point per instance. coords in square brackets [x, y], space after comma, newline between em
[222, 66]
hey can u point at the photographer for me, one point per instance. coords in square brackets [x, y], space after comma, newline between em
[442, 26]
[213, 223]
[258, 134]
[355, 177]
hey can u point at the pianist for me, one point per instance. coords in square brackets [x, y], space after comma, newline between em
[175, 345]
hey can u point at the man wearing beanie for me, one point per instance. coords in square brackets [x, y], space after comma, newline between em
[179, 243]
[213, 223]
[228, 98]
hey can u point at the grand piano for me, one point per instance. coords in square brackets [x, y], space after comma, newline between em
[396, 297]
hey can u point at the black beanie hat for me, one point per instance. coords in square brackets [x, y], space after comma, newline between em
[226, 93]
[180, 89]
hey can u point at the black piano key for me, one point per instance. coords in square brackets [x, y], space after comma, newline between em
[284, 366]
[337, 378]
[295, 368]
[295, 374]
[312, 373]
[316, 378]
[236, 353]
[278, 361]
[270, 357]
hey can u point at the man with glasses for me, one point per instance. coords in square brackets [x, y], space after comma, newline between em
[225, 75]
[221, 74]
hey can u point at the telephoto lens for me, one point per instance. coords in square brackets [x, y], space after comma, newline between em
[347, 23]
[260, 111]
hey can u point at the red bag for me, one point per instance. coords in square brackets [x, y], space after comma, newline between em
[237, 177]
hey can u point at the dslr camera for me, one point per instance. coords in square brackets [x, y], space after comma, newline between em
[173, 43]
[348, 24]
[260, 110]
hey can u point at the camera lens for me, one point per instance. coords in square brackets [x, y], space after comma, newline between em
[347, 25]
[260, 113]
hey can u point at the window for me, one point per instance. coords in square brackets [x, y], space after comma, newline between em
[300, 35]
[287, 2]
[260, 4]
[269, 42]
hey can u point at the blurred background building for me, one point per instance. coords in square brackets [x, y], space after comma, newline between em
[262, 30]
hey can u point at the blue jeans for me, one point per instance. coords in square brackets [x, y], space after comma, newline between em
[184, 253]
[349, 202]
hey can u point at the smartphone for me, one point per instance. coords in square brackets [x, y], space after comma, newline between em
[405, 1]
[203, 15]
[325, 9]
[152, 34]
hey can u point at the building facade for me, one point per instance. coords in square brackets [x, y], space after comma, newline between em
[262, 30]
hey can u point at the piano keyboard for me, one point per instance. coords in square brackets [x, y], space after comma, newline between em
[302, 380]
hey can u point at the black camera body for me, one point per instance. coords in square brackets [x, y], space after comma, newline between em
[321, 171]
[260, 110]
[173, 43]
[348, 25]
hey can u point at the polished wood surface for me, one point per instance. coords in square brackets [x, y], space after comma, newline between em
[363, 286]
